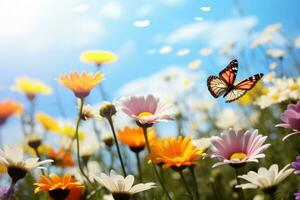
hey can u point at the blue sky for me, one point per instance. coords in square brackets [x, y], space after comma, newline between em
[42, 39]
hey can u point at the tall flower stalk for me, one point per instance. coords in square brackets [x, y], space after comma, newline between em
[77, 141]
[107, 110]
[145, 127]
[192, 170]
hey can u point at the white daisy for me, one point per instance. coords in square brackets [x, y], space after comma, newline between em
[297, 42]
[12, 158]
[120, 187]
[265, 178]
[206, 51]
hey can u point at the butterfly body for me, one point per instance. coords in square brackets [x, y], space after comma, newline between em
[223, 85]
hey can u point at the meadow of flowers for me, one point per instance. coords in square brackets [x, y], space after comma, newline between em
[164, 137]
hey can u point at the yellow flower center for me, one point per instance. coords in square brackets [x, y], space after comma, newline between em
[238, 156]
[275, 97]
[265, 90]
[294, 87]
[145, 114]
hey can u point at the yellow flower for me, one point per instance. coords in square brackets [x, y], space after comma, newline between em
[47, 122]
[9, 108]
[134, 137]
[69, 132]
[251, 96]
[172, 152]
[81, 84]
[31, 87]
[2, 169]
[60, 187]
[98, 57]
[42, 149]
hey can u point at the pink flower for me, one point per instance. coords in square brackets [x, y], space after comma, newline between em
[238, 147]
[291, 119]
[147, 109]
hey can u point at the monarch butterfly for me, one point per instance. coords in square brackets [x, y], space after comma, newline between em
[224, 83]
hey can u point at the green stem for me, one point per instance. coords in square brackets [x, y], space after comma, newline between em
[39, 156]
[154, 168]
[112, 157]
[117, 144]
[77, 139]
[241, 192]
[185, 184]
[194, 182]
[213, 185]
[10, 192]
[138, 163]
[32, 109]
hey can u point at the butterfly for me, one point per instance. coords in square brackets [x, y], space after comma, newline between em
[224, 83]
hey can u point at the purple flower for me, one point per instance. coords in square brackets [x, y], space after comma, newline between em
[291, 119]
[296, 165]
[297, 195]
[3, 191]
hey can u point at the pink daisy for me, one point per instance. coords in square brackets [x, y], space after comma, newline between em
[291, 119]
[238, 147]
[147, 109]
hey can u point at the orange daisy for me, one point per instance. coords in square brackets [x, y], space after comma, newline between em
[134, 137]
[61, 157]
[60, 187]
[81, 84]
[8, 108]
[175, 153]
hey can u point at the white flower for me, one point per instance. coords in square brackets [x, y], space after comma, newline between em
[88, 146]
[88, 111]
[297, 42]
[275, 53]
[12, 156]
[263, 39]
[107, 138]
[206, 51]
[93, 168]
[270, 77]
[265, 178]
[120, 187]
[227, 118]
[202, 143]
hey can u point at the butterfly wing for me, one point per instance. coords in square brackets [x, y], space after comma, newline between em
[216, 86]
[229, 73]
[243, 87]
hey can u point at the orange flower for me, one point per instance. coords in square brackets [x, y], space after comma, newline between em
[65, 187]
[61, 157]
[134, 137]
[172, 152]
[9, 108]
[81, 84]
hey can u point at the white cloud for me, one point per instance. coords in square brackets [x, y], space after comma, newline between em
[159, 84]
[141, 23]
[205, 8]
[216, 33]
[165, 50]
[112, 10]
[41, 25]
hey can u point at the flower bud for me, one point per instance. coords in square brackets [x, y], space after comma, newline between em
[107, 110]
